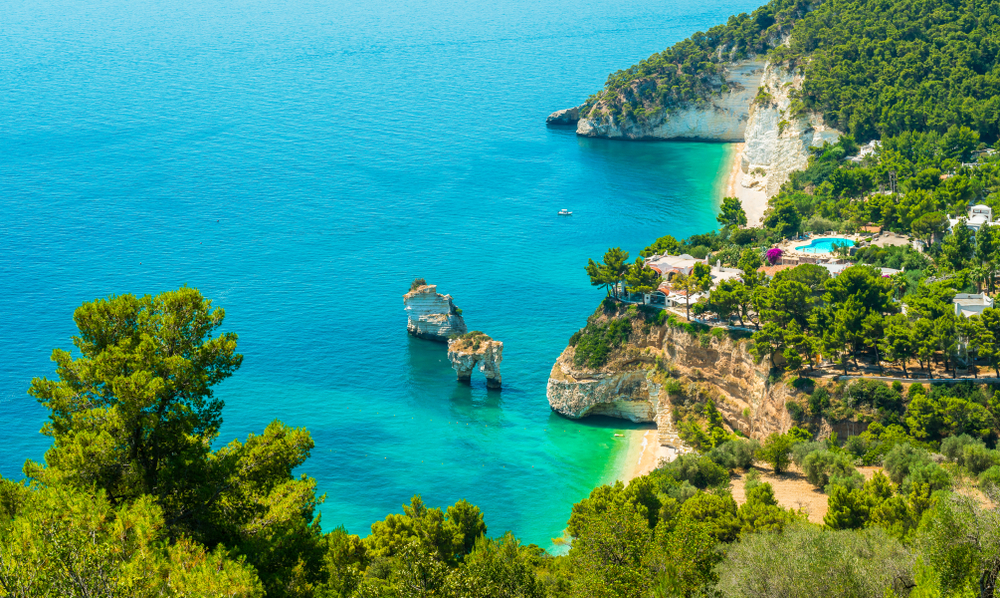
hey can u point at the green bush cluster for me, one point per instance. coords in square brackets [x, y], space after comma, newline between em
[596, 341]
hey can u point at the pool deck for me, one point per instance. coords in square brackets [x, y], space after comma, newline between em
[788, 247]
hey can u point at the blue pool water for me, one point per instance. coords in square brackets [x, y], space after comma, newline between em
[301, 163]
[824, 245]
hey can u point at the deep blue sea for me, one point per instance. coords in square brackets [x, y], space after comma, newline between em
[301, 163]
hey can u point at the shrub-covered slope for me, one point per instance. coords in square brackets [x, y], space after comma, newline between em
[872, 67]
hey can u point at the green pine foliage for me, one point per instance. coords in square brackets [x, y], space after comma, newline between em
[692, 70]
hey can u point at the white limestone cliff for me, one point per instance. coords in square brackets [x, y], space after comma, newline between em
[756, 111]
[777, 141]
[721, 118]
[431, 315]
[476, 348]
[569, 116]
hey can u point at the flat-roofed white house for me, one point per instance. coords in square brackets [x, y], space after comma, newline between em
[979, 215]
[967, 304]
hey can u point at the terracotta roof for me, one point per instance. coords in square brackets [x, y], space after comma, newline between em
[770, 271]
[872, 229]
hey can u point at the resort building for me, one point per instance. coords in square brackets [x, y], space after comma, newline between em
[668, 267]
[979, 215]
[835, 269]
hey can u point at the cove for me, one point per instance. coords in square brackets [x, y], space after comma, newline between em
[301, 165]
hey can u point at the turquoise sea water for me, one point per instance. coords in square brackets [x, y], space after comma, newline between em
[301, 163]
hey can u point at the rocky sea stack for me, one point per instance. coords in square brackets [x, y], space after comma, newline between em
[431, 315]
[468, 350]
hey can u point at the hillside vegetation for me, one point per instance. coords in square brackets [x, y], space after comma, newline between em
[873, 68]
[691, 70]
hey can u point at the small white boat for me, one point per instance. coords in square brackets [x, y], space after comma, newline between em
[565, 212]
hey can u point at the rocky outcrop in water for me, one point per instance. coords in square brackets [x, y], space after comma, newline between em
[431, 315]
[569, 116]
[472, 349]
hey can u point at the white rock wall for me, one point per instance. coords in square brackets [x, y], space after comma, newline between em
[429, 314]
[488, 357]
[579, 393]
[721, 119]
[773, 151]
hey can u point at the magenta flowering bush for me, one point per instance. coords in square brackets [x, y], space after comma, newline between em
[773, 255]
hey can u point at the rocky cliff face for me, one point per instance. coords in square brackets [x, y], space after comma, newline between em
[634, 384]
[720, 118]
[756, 111]
[778, 141]
[431, 315]
[473, 349]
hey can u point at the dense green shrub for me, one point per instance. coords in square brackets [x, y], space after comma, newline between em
[826, 467]
[700, 470]
[818, 401]
[802, 449]
[929, 473]
[875, 394]
[977, 458]
[734, 454]
[775, 451]
[902, 459]
[952, 447]
[597, 341]
[858, 445]
[990, 479]
[796, 411]
[806, 561]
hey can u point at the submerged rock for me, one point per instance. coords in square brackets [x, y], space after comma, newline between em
[431, 315]
[569, 116]
[476, 348]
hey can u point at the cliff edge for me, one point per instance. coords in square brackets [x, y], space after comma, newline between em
[754, 105]
[655, 370]
[718, 117]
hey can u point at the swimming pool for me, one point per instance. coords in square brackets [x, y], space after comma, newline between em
[824, 245]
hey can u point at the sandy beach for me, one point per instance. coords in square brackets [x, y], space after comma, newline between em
[754, 201]
[641, 455]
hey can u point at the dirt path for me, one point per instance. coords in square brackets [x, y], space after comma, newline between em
[792, 490]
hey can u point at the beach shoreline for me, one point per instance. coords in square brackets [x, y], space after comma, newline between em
[641, 456]
[754, 201]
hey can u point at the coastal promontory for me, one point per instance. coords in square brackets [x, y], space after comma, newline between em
[431, 315]
[643, 366]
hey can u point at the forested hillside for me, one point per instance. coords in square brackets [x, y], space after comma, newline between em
[132, 501]
[874, 68]
[691, 70]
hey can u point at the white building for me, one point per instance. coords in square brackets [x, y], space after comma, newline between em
[971, 304]
[979, 215]
[867, 149]
[669, 266]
